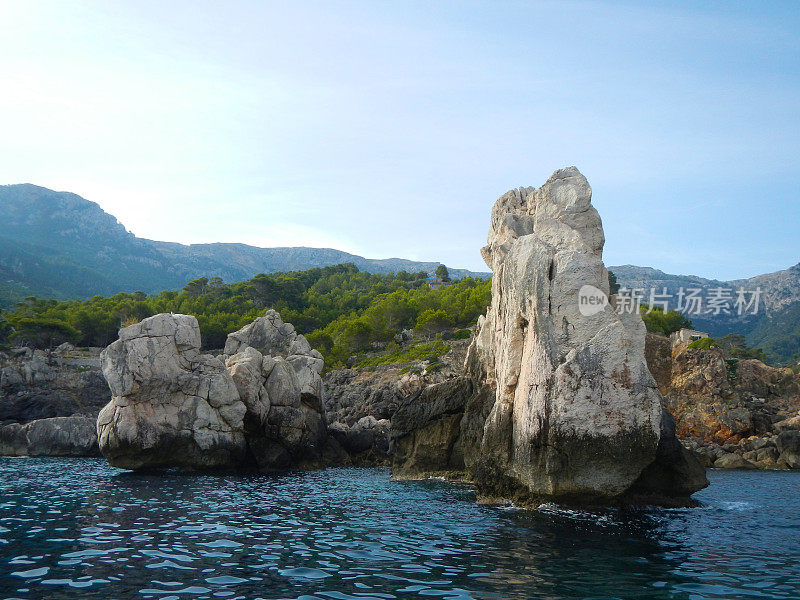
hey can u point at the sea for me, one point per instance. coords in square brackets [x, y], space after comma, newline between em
[78, 528]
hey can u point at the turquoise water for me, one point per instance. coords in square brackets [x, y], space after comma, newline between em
[76, 528]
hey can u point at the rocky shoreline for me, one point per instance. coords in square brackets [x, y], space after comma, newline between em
[542, 403]
[361, 404]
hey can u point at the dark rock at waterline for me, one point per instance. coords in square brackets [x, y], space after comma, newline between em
[788, 445]
[426, 430]
[57, 436]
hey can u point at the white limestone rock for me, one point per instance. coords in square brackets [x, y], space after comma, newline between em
[278, 377]
[171, 405]
[574, 411]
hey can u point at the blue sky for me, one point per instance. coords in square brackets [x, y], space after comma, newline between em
[389, 129]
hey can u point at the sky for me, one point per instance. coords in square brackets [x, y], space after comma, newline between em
[388, 129]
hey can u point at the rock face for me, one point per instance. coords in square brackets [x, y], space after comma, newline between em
[563, 405]
[171, 405]
[49, 401]
[426, 431]
[277, 375]
[728, 410]
[35, 384]
[57, 436]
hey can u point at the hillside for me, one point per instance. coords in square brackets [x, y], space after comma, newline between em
[776, 327]
[59, 245]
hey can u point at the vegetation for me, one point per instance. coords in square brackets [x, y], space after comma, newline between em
[665, 323]
[779, 335]
[429, 351]
[613, 286]
[442, 273]
[703, 344]
[736, 346]
[342, 310]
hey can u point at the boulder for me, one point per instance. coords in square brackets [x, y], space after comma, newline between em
[278, 377]
[733, 461]
[13, 441]
[366, 441]
[788, 444]
[62, 436]
[171, 405]
[57, 436]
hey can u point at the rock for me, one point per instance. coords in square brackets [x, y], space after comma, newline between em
[13, 441]
[45, 386]
[674, 474]
[788, 444]
[171, 405]
[719, 398]
[788, 424]
[733, 461]
[62, 436]
[558, 402]
[705, 458]
[426, 437]
[574, 413]
[64, 348]
[277, 375]
[366, 435]
[58, 436]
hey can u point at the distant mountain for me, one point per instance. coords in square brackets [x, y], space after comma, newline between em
[776, 326]
[59, 245]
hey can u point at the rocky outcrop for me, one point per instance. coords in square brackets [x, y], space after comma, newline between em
[259, 404]
[730, 411]
[37, 384]
[563, 405]
[361, 404]
[171, 405]
[57, 436]
[426, 431]
[278, 377]
[49, 401]
[366, 441]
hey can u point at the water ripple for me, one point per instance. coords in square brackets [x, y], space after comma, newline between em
[356, 534]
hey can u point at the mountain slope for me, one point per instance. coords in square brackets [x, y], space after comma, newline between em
[776, 326]
[57, 244]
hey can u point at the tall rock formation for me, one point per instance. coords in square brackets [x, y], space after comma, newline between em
[171, 406]
[564, 406]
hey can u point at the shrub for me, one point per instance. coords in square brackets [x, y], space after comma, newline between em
[703, 344]
[665, 323]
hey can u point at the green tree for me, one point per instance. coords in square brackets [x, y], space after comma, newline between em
[196, 287]
[442, 273]
[613, 286]
[42, 333]
[736, 346]
[431, 322]
[657, 321]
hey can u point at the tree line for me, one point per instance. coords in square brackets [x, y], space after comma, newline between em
[342, 310]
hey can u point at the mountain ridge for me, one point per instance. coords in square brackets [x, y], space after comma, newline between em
[58, 244]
